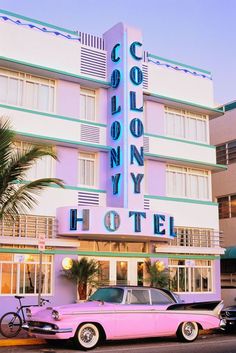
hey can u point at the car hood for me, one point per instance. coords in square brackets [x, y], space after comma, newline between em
[93, 306]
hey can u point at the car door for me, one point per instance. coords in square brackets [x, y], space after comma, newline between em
[135, 318]
[165, 322]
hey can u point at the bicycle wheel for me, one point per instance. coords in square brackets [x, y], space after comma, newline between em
[10, 324]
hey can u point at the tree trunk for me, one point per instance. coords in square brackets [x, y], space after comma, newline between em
[82, 290]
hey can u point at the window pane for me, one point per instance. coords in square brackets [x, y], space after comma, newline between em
[221, 157]
[82, 107]
[43, 97]
[30, 95]
[90, 108]
[6, 278]
[232, 151]
[223, 207]
[12, 91]
[3, 89]
[121, 272]
[233, 205]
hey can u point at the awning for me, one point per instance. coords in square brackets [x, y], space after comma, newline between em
[230, 253]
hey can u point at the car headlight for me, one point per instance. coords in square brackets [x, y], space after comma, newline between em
[28, 313]
[55, 315]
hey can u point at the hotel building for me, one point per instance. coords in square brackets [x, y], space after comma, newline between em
[131, 133]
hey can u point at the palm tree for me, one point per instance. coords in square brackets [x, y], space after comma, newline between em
[17, 195]
[83, 272]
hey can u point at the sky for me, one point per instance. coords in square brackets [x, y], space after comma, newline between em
[198, 33]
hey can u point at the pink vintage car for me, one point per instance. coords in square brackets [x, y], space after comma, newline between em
[123, 312]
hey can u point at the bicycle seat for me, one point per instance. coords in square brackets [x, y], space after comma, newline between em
[18, 297]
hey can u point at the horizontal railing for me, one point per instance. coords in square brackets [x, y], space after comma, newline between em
[195, 238]
[28, 226]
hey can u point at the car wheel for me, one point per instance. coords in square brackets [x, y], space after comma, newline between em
[87, 336]
[188, 331]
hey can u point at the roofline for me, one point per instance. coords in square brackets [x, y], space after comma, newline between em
[9, 13]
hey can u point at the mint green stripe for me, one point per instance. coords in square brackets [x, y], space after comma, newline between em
[102, 147]
[55, 116]
[220, 166]
[213, 110]
[107, 254]
[179, 199]
[38, 22]
[178, 63]
[68, 187]
[69, 74]
[180, 140]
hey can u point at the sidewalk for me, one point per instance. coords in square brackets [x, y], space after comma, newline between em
[23, 339]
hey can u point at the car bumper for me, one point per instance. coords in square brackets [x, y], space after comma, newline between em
[46, 330]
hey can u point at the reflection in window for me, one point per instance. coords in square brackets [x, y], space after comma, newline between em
[19, 274]
[121, 272]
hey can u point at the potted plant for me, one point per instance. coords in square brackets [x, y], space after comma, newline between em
[158, 275]
[84, 272]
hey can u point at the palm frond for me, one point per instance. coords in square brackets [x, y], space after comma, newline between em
[19, 199]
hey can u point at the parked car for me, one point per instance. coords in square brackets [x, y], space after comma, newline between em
[123, 312]
[228, 315]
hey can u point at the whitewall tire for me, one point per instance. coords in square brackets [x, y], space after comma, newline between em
[188, 331]
[87, 336]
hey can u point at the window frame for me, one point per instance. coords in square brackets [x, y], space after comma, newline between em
[190, 275]
[186, 129]
[188, 172]
[24, 77]
[49, 262]
[95, 172]
[87, 92]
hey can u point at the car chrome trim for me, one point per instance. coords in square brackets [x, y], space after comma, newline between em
[45, 330]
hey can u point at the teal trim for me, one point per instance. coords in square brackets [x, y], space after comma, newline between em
[178, 63]
[180, 140]
[220, 166]
[230, 106]
[38, 22]
[179, 199]
[68, 187]
[40, 137]
[218, 110]
[107, 254]
[55, 116]
[230, 254]
[106, 83]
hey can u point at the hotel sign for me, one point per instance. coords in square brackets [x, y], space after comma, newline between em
[104, 220]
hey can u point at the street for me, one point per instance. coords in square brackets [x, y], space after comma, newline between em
[214, 343]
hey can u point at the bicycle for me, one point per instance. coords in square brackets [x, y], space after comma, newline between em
[11, 322]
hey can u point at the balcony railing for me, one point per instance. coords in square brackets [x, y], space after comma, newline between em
[197, 238]
[28, 226]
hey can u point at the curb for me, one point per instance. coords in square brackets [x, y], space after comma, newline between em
[21, 342]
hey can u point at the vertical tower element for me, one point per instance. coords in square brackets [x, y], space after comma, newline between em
[125, 129]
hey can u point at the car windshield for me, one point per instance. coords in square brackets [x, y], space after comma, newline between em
[109, 295]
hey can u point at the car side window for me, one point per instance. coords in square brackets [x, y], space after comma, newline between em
[138, 297]
[160, 298]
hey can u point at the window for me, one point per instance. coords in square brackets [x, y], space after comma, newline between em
[42, 168]
[188, 182]
[19, 274]
[137, 296]
[160, 298]
[21, 89]
[87, 104]
[191, 275]
[186, 125]
[227, 206]
[226, 153]
[87, 163]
